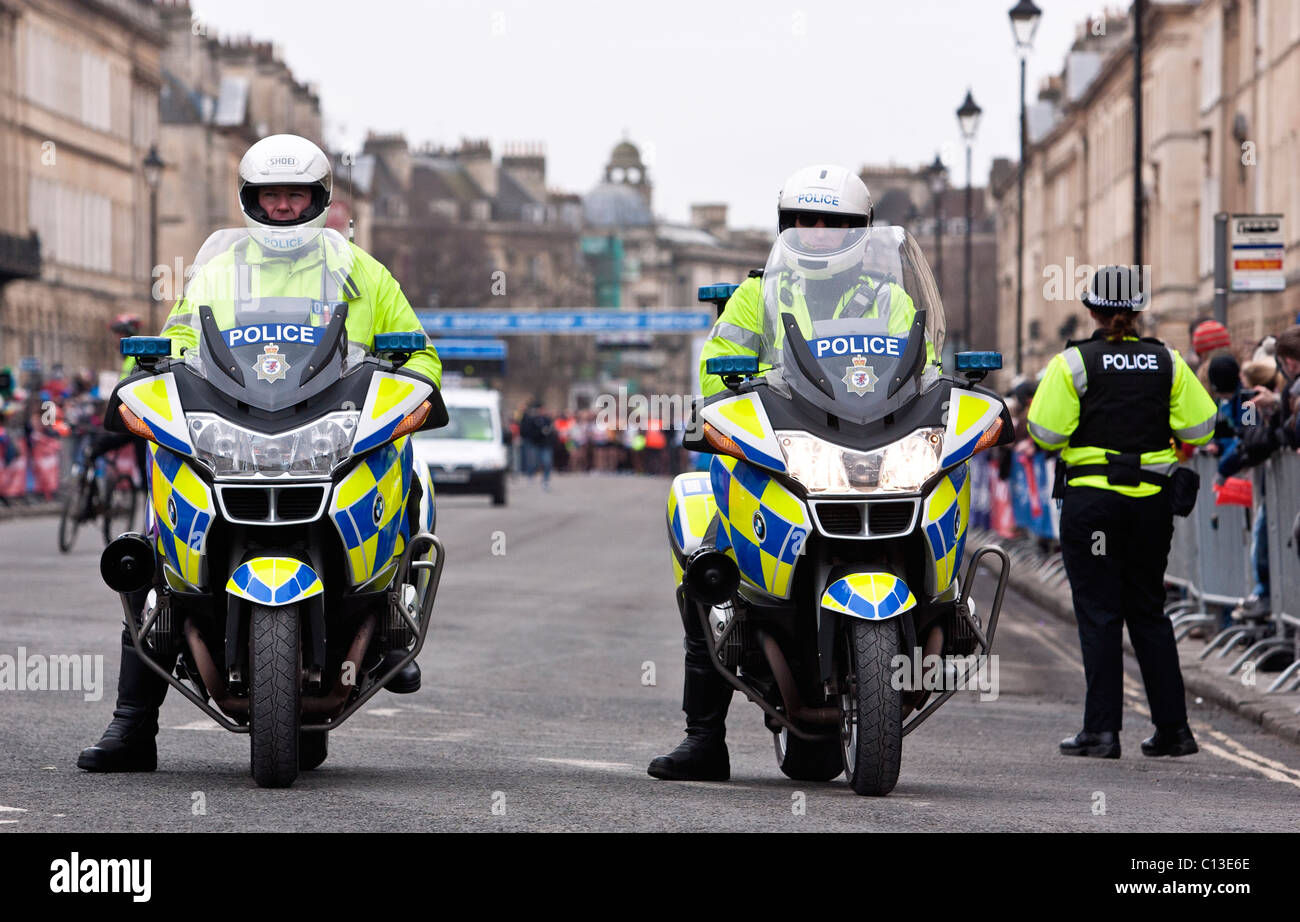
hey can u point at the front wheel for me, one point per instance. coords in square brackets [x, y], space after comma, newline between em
[275, 656]
[74, 505]
[804, 760]
[871, 712]
[119, 509]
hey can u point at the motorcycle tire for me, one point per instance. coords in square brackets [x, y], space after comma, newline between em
[804, 760]
[275, 659]
[119, 510]
[871, 724]
[68, 521]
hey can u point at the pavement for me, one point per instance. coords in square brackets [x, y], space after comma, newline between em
[28, 507]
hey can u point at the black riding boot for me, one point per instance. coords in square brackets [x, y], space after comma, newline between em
[128, 743]
[702, 756]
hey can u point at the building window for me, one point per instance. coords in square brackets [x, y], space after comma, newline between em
[76, 83]
[75, 227]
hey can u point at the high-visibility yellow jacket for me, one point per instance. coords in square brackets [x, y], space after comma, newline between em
[1054, 415]
[740, 329]
[375, 300]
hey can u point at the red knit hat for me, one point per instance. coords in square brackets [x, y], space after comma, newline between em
[1209, 336]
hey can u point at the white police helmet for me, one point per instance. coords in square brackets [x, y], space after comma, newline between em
[835, 195]
[825, 189]
[285, 160]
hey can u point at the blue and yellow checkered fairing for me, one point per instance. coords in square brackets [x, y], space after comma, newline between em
[369, 509]
[944, 514]
[970, 414]
[873, 596]
[690, 510]
[274, 581]
[183, 507]
[763, 523]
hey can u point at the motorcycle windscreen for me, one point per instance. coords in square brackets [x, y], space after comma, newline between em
[852, 319]
[268, 327]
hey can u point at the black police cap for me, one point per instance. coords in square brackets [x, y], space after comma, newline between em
[1114, 289]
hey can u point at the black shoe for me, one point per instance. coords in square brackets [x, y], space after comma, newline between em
[312, 749]
[405, 682]
[1170, 743]
[128, 744]
[1254, 607]
[1103, 745]
[702, 756]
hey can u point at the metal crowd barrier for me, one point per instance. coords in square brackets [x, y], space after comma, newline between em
[1282, 500]
[1210, 561]
[1213, 554]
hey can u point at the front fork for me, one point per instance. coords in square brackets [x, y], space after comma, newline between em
[717, 630]
[983, 637]
[776, 661]
[410, 566]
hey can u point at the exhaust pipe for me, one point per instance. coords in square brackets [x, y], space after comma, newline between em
[127, 564]
[711, 576]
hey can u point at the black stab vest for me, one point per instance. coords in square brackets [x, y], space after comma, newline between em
[1125, 407]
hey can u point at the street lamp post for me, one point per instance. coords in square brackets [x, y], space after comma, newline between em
[937, 174]
[153, 167]
[1137, 134]
[1024, 23]
[968, 117]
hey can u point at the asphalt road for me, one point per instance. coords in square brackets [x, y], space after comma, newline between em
[534, 715]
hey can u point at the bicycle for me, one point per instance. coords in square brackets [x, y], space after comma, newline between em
[99, 491]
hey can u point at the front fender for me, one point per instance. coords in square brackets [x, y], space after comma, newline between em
[872, 596]
[274, 581]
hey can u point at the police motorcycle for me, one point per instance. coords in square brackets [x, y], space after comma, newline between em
[289, 555]
[821, 551]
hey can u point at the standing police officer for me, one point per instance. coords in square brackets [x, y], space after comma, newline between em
[1112, 404]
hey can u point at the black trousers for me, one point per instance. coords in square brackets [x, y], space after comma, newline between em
[1115, 549]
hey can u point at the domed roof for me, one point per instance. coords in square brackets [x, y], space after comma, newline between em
[615, 205]
[625, 154]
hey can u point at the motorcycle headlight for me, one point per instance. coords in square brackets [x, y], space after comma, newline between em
[912, 461]
[823, 467]
[311, 450]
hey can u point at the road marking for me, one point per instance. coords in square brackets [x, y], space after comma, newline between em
[7, 822]
[383, 712]
[1135, 699]
[1246, 753]
[1246, 763]
[1022, 630]
[197, 725]
[592, 764]
[13, 810]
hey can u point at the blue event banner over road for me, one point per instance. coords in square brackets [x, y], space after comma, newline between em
[564, 321]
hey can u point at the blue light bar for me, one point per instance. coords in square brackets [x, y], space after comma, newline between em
[979, 361]
[145, 346]
[732, 365]
[716, 292]
[400, 342]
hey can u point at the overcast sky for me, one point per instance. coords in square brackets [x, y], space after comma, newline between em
[724, 97]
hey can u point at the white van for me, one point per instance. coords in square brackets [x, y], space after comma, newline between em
[468, 455]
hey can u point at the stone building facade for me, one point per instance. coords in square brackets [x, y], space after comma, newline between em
[1221, 132]
[219, 96]
[79, 86]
